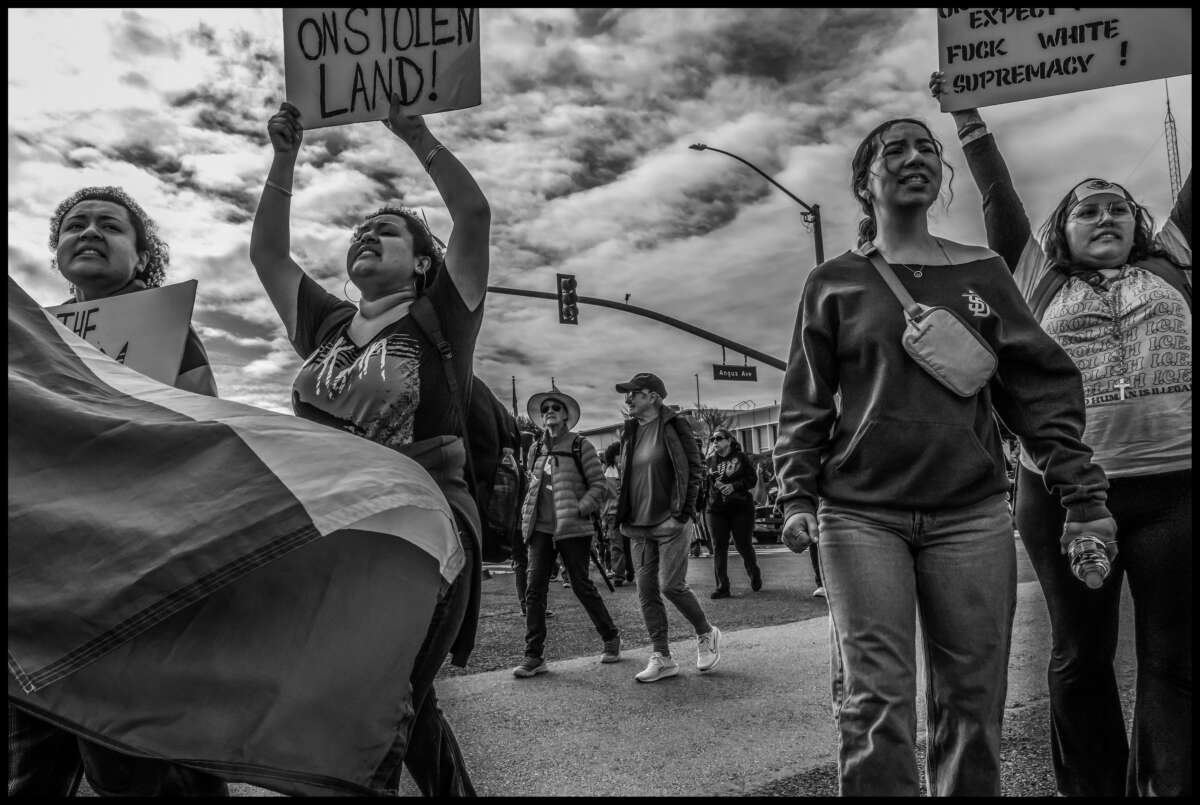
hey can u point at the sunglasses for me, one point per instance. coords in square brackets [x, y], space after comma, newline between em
[548, 407]
[718, 438]
[1090, 213]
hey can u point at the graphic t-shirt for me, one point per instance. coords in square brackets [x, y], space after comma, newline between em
[1133, 346]
[391, 390]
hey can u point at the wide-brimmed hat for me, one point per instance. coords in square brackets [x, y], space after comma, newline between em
[534, 406]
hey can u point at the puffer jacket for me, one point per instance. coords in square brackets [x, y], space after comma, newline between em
[575, 498]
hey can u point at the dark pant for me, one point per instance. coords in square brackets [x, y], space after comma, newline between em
[47, 761]
[433, 757]
[740, 524]
[575, 557]
[520, 566]
[1087, 729]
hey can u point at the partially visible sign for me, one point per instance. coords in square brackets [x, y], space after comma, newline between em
[999, 55]
[341, 65]
[144, 330]
[728, 372]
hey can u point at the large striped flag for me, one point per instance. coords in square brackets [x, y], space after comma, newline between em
[196, 579]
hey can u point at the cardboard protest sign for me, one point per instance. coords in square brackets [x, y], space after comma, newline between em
[341, 65]
[145, 330]
[999, 55]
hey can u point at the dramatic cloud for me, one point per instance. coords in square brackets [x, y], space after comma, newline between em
[581, 145]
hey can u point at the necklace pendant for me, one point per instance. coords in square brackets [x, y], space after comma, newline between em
[918, 274]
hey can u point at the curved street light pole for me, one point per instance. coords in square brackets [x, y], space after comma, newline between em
[813, 212]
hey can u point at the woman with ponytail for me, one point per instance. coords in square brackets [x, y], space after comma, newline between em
[903, 482]
[370, 369]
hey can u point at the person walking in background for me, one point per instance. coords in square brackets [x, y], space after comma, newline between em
[660, 480]
[619, 561]
[370, 369]
[731, 479]
[556, 516]
[105, 245]
[906, 478]
[1118, 298]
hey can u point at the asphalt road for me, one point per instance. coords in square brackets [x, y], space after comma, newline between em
[760, 724]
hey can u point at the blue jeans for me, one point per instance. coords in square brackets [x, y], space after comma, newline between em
[661, 570]
[1091, 754]
[956, 569]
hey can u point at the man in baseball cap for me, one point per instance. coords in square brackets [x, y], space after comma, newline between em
[661, 481]
[644, 381]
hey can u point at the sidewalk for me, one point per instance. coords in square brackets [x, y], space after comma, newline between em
[763, 714]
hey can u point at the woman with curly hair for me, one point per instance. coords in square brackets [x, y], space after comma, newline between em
[370, 369]
[106, 245]
[730, 511]
[1118, 298]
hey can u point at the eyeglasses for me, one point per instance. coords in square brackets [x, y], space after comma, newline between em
[636, 392]
[548, 407]
[718, 438]
[1090, 213]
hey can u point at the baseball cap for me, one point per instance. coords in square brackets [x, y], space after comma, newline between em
[1096, 187]
[644, 380]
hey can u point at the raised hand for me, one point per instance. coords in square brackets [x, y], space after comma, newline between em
[410, 128]
[285, 130]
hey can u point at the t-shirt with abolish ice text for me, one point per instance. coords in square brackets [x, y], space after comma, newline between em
[391, 390]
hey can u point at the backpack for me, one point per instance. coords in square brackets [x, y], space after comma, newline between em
[487, 427]
[1054, 279]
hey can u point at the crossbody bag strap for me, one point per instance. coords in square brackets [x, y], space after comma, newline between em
[426, 318]
[906, 301]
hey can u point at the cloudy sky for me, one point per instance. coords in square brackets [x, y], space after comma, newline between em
[580, 145]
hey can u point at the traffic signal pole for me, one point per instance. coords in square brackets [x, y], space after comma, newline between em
[749, 352]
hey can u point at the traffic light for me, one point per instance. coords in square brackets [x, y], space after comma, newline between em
[568, 300]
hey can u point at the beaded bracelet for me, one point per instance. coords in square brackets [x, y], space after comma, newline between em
[432, 153]
[279, 187]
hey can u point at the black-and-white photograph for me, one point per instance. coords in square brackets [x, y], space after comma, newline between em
[580, 402]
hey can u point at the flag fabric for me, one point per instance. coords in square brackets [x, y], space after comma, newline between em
[196, 579]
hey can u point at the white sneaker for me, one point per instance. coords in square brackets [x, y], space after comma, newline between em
[708, 649]
[819, 592]
[659, 667]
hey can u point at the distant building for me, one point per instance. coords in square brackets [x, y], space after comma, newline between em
[756, 429]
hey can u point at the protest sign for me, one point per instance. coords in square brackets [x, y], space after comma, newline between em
[999, 55]
[145, 330]
[341, 65]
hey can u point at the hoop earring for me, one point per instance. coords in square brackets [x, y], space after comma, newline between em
[346, 293]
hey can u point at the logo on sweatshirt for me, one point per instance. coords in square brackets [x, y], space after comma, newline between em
[976, 305]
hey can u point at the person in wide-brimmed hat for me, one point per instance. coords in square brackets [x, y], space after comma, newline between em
[566, 486]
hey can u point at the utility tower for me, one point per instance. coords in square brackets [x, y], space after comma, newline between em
[1172, 149]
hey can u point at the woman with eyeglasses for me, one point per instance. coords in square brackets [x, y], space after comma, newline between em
[1117, 298]
[566, 487]
[730, 511]
[370, 369]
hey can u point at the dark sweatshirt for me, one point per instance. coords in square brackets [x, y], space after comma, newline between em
[736, 469]
[902, 440]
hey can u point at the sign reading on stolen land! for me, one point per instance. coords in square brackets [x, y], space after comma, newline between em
[342, 65]
[999, 55]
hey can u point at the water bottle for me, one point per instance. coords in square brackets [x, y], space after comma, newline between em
[508, 459]
[1089, 560]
